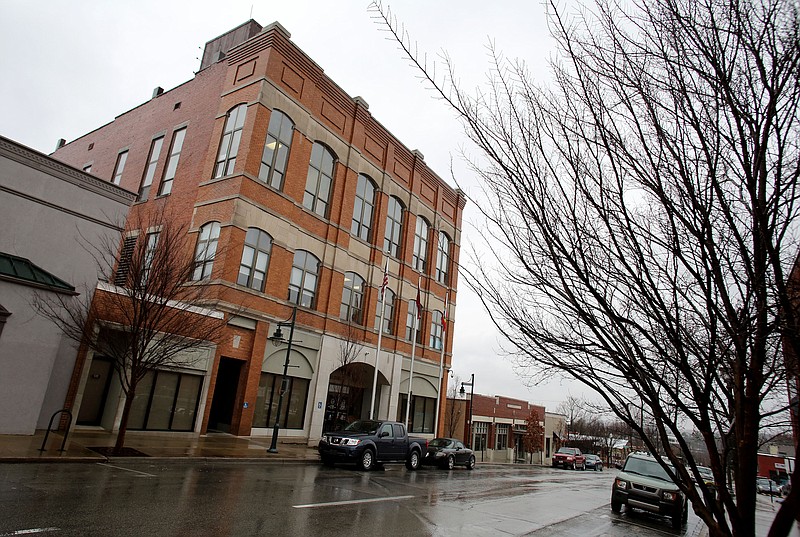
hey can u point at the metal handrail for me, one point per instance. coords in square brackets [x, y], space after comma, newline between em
[50, 425]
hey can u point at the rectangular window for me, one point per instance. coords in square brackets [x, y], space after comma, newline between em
[295, 395]
[423, 413]
[124, 265]
[166, 401]
[502, 436]
[149, 254]
[122, 158]
[172, 162]
[481, 431]
[150, 169]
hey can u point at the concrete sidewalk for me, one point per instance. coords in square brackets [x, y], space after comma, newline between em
[24, 448]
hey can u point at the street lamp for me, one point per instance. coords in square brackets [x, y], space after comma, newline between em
[277, 338]
[471, 385]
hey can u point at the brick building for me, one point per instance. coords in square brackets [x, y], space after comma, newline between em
[296, 196]
[499, 425]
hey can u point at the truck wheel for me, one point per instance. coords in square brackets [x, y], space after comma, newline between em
[616, 506]
[412, 462]
[450, 462]
[367, 460]
[471, 462]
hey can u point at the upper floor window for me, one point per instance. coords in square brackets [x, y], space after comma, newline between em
[388, 312]
[363, 208]
[122, 158]
[255, 259]
[352, 298]
[276, 149]
[442, 258]
[436, 330]
[229, 145]
[411, 320]
[207, 240]
[150, 169]
[319, 180]
[303, 281]
[149, 255]
[420, 257]
[172, 161]
[125, 257]
[394, 227]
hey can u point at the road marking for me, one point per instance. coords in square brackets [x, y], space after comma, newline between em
[352, 502]
[26, 532]
[126, 469]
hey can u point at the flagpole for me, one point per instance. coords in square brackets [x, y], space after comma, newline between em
[413, 349]
[372, 415]
[441, 364]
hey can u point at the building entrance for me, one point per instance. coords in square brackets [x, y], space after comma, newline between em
[95, 392]
[220, 416]
[346, 396]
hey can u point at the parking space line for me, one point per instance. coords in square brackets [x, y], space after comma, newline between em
[30, 531]
[144, 474]
[352, 502]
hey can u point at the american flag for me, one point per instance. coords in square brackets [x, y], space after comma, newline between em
[444, 313]
[419, 302]
[385, 283]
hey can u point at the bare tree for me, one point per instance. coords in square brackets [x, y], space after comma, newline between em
[453, 420]
[642, 221]
[533, 439]
[572, 408]
[347, 377]
[146, 313]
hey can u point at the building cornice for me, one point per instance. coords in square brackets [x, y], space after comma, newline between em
[36, 160]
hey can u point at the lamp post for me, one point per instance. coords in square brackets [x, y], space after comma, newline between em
[471, 385]
[277, 338]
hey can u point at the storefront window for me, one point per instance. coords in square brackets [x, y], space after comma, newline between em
[165, 401]
[423, 413]
[294, 402]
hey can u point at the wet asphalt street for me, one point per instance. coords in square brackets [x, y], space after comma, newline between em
[236, 498]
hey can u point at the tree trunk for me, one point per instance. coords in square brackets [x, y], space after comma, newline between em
[123, 424]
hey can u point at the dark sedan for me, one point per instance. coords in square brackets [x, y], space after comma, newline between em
[447, 453]
[593, 462]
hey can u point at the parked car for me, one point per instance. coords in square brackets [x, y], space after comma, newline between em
[371, 442]
[765, 485]
[569, 457]
[593, 462]
[643, 483]
[447, 453]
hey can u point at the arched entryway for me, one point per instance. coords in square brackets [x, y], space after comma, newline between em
[350, 395]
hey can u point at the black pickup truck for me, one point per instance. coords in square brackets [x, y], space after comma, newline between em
[371, 442]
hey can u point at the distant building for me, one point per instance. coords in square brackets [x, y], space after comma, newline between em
[292, 192]
[499, 426]
[47, 211]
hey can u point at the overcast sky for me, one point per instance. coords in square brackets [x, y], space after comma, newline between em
[70, 67]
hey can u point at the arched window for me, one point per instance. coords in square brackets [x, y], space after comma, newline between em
[276, 149]
[363, 208]
[352, 298]
[255, 259]
[319, 180]
[207, 240]
[388, 313]
[303, 281]
[436, 329]
[394, 227]
[229, 145]
[420, 257]
[442, 258]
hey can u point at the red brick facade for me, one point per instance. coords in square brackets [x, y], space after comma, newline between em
[268, 72]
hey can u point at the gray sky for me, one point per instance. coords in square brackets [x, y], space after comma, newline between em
[70, 67]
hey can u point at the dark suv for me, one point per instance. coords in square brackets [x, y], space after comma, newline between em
[644, 484]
